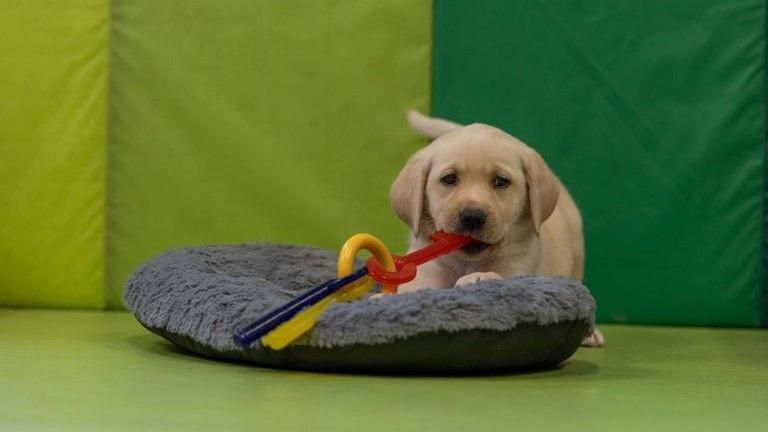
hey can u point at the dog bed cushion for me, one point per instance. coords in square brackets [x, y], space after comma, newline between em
[198, 297]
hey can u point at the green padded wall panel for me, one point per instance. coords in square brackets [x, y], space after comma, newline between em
[238, 121]
[53, 58]
[653, 114]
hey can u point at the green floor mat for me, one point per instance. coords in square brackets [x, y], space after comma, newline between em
[75, 371]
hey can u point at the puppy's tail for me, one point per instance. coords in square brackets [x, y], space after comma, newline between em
[429, 126]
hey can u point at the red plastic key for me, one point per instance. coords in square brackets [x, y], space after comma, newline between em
[442, 243]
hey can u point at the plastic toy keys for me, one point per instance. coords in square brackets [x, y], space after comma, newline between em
[303, 322]
[283, 325]
[442, 243]
[250, 333]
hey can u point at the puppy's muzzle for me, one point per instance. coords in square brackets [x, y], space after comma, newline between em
[472, 219]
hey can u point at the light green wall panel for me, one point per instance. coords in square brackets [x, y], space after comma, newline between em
[238, 121]
[53, 58]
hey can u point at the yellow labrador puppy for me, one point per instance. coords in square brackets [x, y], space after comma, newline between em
[480, 181]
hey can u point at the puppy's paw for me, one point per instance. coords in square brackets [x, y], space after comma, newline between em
[476, 277]
[595, 340]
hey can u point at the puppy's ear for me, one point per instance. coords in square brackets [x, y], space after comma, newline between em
[543, 189]
[429, 126]
[407, 192]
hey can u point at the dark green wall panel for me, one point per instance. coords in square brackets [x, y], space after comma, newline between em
[653, 114]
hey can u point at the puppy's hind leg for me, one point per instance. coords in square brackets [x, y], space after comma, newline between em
[595, 340]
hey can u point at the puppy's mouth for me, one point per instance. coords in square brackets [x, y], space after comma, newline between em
[476, 247]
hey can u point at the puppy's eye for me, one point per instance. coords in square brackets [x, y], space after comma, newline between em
[449, 179]
[500, 182]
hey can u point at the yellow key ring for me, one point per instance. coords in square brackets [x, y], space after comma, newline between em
[372, 244]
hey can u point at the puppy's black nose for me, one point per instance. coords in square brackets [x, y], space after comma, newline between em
[472, 218]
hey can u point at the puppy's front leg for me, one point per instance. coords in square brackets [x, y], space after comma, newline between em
[476, 277]
[429, 275]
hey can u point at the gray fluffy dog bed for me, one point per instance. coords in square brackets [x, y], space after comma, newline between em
[198, 297]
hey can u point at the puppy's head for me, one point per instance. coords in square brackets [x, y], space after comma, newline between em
[478, 181]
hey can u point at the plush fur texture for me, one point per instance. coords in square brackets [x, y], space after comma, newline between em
[204, 294]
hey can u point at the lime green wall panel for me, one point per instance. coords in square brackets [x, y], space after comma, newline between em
[53, 59]
[239, 121]
[652, 113]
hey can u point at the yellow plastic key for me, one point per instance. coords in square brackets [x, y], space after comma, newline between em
[303, 322]
[371, 243]
[286, 333]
